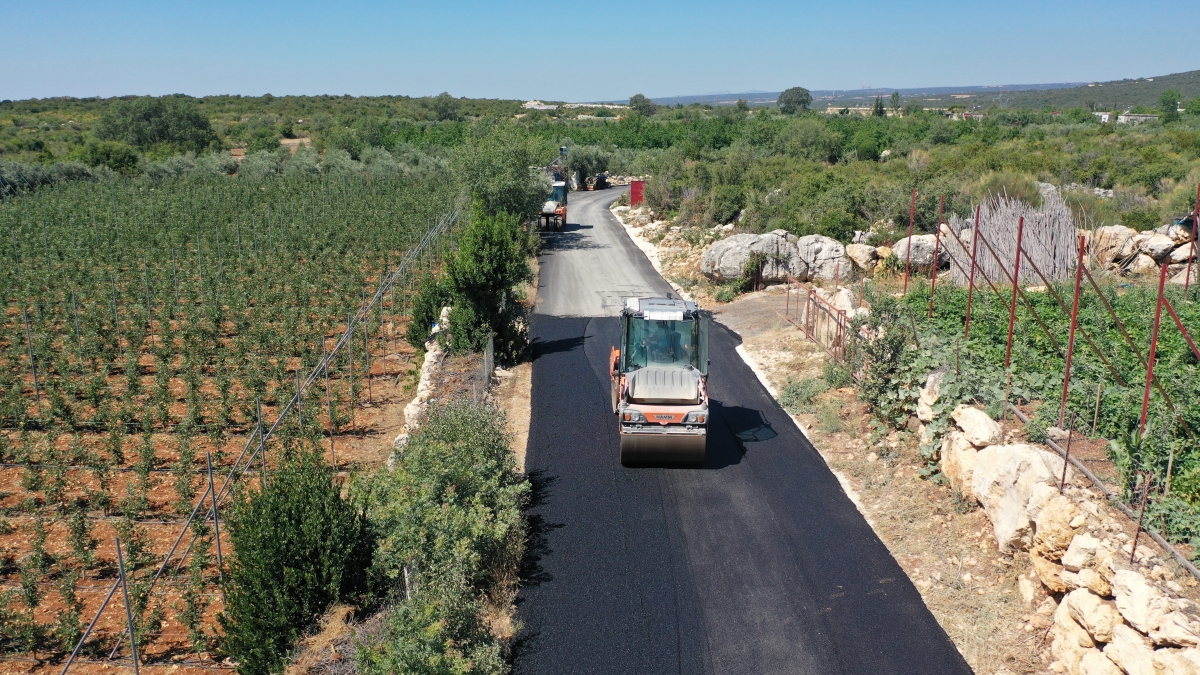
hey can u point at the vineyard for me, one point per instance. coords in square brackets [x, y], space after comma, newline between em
[154, 341]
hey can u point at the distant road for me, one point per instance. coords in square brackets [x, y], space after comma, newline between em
[758, 563]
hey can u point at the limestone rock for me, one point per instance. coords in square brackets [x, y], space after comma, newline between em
[1081, 551]
[1157, 246]
[1179, 234]
[864, 256]
[1143, 264]
[1129, 650]
[1071, 641]
[1053, 531]
[958, 463]
[1090, 579]
[1175, 662]
[824, 258]
[1025, 586]
[922, 250]
[1181, 277]
[1175, 629]
[929, 396]
[1181, 254]
[726, 259]
[884, 252]
[1094, 614]
[1113, 243]
[1095, 662]
[1142, 605]
[978, 428]
[1048, 572]
[1003, 480]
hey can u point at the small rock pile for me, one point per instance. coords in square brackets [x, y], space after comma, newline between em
[804, 258]
[1114, 610]
[1125, 250]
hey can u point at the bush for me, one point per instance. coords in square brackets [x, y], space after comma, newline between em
[175, 120]
[796, 396]
[489, 264]
[298, 547]
[432, 295]
[115, 155]
[449, 516]
[727, 202]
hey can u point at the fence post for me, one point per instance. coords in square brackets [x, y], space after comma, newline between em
[971, 276]
[128, 609]
[912, 215]
[328, 402]
[1162, 280]
[262, 443]
[1146, 478]
[937, 244]
[1062, 408]
[79, 645]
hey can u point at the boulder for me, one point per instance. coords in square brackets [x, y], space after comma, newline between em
[1093, 613]
[1052, 529]
[1174, 662]
[1071, 641]
[1157, 246]
[1113, 243]
[1175, 629]
[1003, 480]
[923, 246]
[958, 463]
[977, 427]
[1179, 234]
[1181, 277]
[929, 396]
[824, 258]
[726, 259]
[1080, 553]
[1095, 662]
[1049, 573]
[1130, 651]
[864, 256]
[1181, 254]
[1086, 578]
[1139, 601]
[884, 252]
[1143, 264]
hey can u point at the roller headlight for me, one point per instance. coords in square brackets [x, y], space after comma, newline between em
[696, 417]
[633, 416]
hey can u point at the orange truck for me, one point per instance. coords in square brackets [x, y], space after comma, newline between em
[554, 211]
[660, 382]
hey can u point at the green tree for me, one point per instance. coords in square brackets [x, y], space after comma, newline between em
[115, 155]
[878, 110]
[494, 166]
[643, 105]
[432, 296]
[1193, 106]
[445, 107]
[299, 546]
[895, 102]
[794, 100]
[486, 269]
[1168, 105]
[175, 120]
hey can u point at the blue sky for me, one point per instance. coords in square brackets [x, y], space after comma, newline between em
[585, 50]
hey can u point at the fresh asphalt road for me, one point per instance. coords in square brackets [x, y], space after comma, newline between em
[758, 563]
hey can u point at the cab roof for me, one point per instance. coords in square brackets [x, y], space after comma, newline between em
[660, 308]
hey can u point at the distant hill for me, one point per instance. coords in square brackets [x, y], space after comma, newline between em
[1115, 94]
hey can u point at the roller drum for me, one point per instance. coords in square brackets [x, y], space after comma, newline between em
[663, 449]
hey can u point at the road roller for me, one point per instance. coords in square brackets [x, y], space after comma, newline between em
[660, 382]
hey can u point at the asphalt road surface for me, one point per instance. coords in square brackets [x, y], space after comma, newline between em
[758, 563]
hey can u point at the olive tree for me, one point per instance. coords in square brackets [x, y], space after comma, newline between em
[794, 100]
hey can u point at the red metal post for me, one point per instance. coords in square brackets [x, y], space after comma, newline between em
[937, 243]
[1012, 305]
[912, 215]
[971, 276]
[637, 191]
[1162, 281]
[1062, 408]
[1186, 335]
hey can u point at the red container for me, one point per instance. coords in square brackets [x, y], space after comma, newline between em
[637, 192]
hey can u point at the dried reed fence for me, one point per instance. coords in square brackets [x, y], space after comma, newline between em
[1048, 241]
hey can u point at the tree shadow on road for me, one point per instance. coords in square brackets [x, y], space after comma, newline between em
[537, 531]
[542, 348]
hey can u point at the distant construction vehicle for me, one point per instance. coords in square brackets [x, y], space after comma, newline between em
[660, 382]
[554, 211]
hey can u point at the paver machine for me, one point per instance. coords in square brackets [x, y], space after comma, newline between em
[554, 211]
[660, 382]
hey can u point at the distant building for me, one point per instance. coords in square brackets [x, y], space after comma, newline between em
[538, 105]
[1124, 118]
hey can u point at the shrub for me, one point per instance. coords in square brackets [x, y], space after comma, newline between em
[115, 155]
[432, 295]
[796, 396]
[145, 121]
[727, 202]
[298, 546]
[451, 533]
